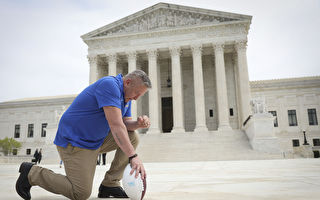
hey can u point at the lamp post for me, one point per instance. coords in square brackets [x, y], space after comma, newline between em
[168, 80]
[305, 139]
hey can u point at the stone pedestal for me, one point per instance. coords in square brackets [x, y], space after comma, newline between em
[304, 151]
[261, 134]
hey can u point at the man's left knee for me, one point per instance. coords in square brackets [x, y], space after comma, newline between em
[134, 138]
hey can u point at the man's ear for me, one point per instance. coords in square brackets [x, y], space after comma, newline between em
[130, 81]
[127, 81]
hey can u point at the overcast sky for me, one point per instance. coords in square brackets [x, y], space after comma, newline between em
[42, 54]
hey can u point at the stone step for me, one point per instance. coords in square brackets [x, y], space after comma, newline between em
[182, 147]
[216, 145]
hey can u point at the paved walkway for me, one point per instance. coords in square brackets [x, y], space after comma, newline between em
[218, 180]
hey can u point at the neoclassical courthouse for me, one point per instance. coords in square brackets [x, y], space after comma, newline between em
[202, 105]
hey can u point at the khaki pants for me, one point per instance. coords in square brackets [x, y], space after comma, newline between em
[80, 165]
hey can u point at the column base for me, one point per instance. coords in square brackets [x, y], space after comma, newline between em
[200, 129]
[178, 130]
[224, 128]
[153, 131]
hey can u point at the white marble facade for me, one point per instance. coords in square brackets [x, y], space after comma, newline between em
[299, 95]
[203, 54]
[35, 112]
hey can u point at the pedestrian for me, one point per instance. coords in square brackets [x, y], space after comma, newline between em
[98, 121]
[35, 155]
[39, 156]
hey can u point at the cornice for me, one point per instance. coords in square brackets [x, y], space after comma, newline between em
[164, 31]
[40, 101]
[227, 34]
[286, 83]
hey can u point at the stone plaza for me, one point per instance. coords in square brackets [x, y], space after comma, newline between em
[293, 179]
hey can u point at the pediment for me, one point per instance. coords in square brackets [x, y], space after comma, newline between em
[165, 16]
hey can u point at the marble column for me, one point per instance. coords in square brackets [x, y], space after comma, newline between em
[221, 84]
[177, 95]
[198, 89]
[112, 62]
[132, 65]
[244, 87]
[93, 61]
[153, 92]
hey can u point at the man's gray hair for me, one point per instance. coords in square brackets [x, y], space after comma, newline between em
[141, 75]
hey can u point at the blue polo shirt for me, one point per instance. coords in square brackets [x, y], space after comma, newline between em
[84, 123]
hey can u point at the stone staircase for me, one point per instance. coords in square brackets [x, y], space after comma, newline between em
[215, 145]
[184, 147]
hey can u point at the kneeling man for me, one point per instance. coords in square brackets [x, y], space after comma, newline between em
[98, 121]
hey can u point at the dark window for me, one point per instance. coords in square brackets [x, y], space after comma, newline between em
[295, 143]
[14, 152]
[312, 115]
[316, 154]
[231, 111]
[275, 122]
[211, 113]
[43, 130]
[17, 131]
[292, 116]
[30, 130]
[316, 142]
[28, 152]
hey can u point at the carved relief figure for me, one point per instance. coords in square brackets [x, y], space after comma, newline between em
[164, 18]
[258, 106]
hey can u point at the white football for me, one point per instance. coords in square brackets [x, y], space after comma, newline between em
[134, 187]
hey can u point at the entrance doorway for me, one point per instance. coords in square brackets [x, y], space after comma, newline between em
[167, 114]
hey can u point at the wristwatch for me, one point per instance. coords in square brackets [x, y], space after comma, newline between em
[131, 157]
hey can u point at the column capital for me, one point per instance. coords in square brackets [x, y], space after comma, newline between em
[175, 50]
[152, 53]
[112, 57]
[241, 45]
[218, 47]
[131, 55]
[196, 48]
[93, 59]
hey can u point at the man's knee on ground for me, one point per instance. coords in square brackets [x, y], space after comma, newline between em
[82, 194]
[134, 138]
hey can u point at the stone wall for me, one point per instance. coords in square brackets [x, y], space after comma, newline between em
[36, 113]
[298, 94]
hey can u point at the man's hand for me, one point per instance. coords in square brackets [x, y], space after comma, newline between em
[137, 166]
[143, 121]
